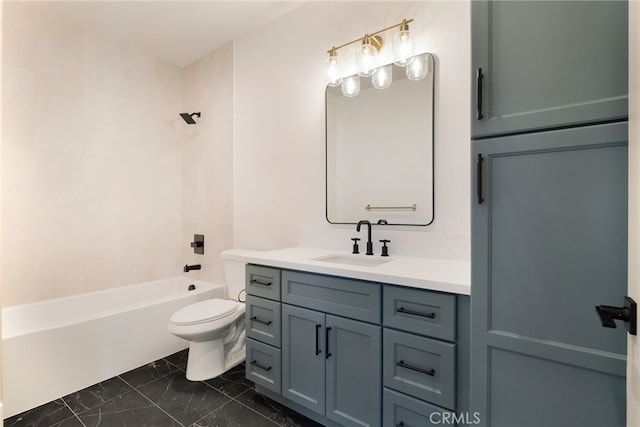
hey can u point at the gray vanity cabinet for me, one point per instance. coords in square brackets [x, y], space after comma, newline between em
[331, 364]
[544, 64]
[549, 243]
[345, 351]
[262, 320]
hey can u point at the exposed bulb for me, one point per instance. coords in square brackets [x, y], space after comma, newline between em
[351, 86]
[403, 49]
[366, 58]
[333, 73]
[418, 68]
[382, 77]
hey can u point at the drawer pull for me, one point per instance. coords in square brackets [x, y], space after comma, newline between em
[326, 342]
[318, 326]
[430, 372]
[258, 282]
[416, 313]
[257, 365]
[400, 424]
[264, 322]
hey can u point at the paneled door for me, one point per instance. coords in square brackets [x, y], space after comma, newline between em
[549, 243]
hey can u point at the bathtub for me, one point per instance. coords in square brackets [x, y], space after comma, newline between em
[56, 347]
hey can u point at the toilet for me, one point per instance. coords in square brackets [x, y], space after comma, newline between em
[214, 328]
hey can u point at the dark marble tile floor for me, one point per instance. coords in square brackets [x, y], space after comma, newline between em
[159, 395]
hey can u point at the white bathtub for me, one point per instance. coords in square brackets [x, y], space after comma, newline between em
[55, 347]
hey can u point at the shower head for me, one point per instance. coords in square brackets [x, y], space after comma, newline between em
[189, 117]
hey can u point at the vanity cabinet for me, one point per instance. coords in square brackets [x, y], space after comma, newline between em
[262, 320]
[331, 365]
[544, 64]
[350, 347]
[419, 354]
[331, 355]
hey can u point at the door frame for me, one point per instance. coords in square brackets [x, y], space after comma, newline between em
[633, 345]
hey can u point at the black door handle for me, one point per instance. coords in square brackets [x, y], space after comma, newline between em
[479, 78]
[326, 340]
[479, 163]
[318, 326]
[627, 313]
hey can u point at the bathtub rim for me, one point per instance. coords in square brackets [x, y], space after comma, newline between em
[9, 334]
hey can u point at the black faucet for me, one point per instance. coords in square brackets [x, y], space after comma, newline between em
[369, 242]
[188, 268]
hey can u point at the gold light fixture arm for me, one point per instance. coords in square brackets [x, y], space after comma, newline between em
[404, 23]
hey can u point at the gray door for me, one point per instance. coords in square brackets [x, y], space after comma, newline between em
[354, 364]
[303, 357]
[547, 63]
[549, 243]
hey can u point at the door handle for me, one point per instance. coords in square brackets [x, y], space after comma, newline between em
[318, 326]
[628, 313]
[479, 78]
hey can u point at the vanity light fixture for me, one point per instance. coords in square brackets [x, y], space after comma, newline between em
[372, 44]
[351, 86]
[382, 77]
[369, 49]
[403, 45]
[332, 69]
[418, 68]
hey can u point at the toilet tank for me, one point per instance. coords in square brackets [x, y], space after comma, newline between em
[234, 274]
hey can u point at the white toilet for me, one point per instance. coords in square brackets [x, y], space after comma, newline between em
[215, 328]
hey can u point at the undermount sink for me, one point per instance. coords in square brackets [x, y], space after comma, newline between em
[357, 260]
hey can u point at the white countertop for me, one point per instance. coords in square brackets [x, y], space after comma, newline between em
[425, 273]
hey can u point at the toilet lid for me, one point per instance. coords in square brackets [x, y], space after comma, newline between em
[204, 311]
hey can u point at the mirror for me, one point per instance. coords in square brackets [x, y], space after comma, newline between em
[379, 147]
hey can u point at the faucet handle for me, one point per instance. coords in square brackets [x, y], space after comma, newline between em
[356, 250]
[385, 249]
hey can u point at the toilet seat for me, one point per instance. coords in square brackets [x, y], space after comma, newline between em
[204, 311]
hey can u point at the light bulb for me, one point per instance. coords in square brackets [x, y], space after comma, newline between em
[403, 49]
[351, 86]
[366, 57]
[332, 71]
[418, 68]
[382, 77]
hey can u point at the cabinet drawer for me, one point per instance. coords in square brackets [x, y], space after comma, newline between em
[419, 311]
[263, 320]
[351, 298]
[263, 281]
[421, 367]
[263, 365]
[402, 410]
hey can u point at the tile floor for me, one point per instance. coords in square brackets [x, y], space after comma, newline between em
[159, 395]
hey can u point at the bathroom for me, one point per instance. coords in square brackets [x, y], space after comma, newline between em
[93, 141]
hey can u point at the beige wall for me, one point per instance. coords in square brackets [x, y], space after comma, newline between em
[207, 161]
[279, 163]
[92, 161]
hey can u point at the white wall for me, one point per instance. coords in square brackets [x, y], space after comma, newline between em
[279, 158]
[633, 346]
[207, 161]
[1, 74]
[92, 161]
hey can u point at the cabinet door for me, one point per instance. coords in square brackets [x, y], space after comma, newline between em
[549, 243]
[544, 64]
[303, 357]
[353, 372]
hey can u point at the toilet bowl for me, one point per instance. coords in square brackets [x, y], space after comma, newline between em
[214, 328]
